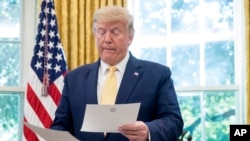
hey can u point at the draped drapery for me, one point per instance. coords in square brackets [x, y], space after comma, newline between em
[247, 29]
[74, 19]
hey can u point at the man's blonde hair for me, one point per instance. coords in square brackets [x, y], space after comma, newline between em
[114, 13]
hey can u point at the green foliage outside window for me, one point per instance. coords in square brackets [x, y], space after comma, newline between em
[9, 117]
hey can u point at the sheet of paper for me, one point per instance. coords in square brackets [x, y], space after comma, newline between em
[51, 135]
[107, 118]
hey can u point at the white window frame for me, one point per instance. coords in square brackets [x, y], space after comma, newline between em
[27, 37]
[28, 34]
[240, 72]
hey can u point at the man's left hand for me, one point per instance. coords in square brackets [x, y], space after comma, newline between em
[137, 131]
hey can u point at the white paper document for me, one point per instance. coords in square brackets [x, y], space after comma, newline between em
[51, 135]
[107, 118]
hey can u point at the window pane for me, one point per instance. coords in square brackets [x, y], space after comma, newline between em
[9, 64]
[185, 65]
[9, 111]
[184, 16]
[219, 15]
[190, 104]
[156, 54]
[219, 63]
[152, 18]
[10, 18]
[220, 113]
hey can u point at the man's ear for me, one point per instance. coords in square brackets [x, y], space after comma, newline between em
[130, 38]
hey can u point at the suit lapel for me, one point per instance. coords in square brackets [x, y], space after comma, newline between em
[91, 76]
[131, 76]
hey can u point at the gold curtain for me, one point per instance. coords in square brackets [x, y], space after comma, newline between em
[247, 26]
[74, 19]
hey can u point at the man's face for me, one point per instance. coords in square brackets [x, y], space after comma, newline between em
[112, 40]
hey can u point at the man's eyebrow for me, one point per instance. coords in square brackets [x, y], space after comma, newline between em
[100, 28]
[116, 28]
[113, 28]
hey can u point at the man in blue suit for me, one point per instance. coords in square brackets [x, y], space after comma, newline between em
[149, 83]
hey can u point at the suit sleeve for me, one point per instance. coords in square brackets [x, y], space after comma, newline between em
[63, 117]
[168, 125]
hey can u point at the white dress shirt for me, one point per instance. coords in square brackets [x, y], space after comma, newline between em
[103, 72]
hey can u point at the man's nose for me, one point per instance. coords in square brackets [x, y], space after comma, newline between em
[108, 38]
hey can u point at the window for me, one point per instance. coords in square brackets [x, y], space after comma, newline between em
[15, 45]
[9, 67]
[199, 41]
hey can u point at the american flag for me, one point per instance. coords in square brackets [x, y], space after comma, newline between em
[47, 70]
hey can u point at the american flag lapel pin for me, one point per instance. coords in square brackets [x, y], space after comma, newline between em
[136, 73]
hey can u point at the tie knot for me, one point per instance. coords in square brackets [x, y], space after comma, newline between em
[112, 68]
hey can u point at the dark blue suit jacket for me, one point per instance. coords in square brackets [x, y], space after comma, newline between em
[152, 87]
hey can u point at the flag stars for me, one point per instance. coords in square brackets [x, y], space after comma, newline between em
[57, 68]
[49, 56]
[58, 57]
[52, 34]
[53, 12]
[58, 35]
[41, 43]
[51, 45]
[38, 65]
[53, 23]
[48, 1]
[43, 32]
[46, 10]
[49, 66]
[39, 54]
[59, 46]
[44, 21]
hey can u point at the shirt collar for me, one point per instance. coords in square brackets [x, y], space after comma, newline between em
[120, 66]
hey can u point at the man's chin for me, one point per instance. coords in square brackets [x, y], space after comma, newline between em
[107, 59]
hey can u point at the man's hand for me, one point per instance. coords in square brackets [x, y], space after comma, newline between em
[137, 131]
